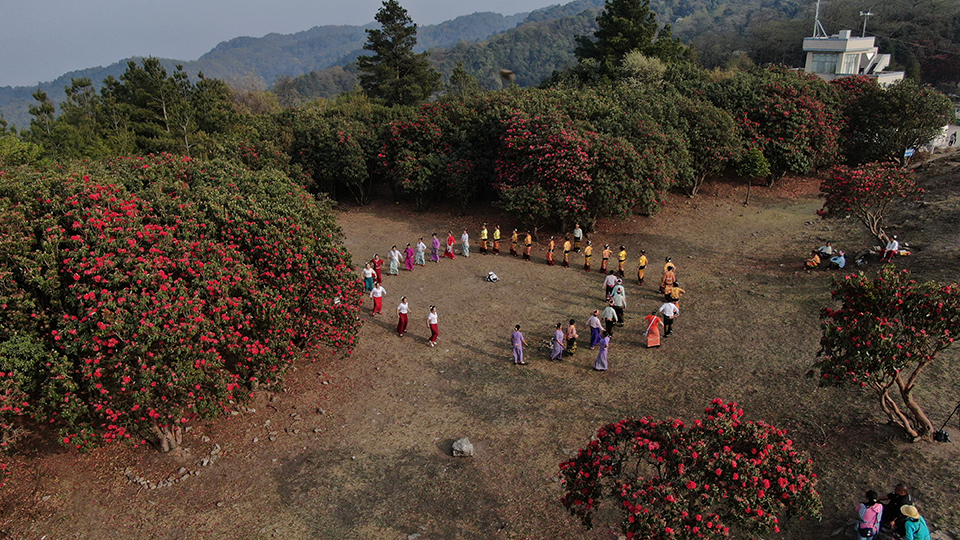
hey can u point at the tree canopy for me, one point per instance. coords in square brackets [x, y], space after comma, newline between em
[395, 74]
[887, 330]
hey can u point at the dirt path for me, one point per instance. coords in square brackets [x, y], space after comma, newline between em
[376, 462]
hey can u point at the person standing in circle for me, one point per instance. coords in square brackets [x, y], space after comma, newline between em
[450, 242]
[513, 243]
[552, 246]
[377, 294]
[408, 258]
[594, 324]
[527, 247]
[577, 237]
[394, 257]
[566, 252]
[377, 264]
[435, 249]
[670, 311]
[587, 253]
[572, 338]
[518, 343]
[622, 260]
[420, 257]
[432, 323]
[652, 333]
[465, 243]
[641, 266]
[557, 352]
[367, 274]
[600, 364]
[496, 240]
[483, 239]
[605, 256]
[402, 311]
[609, 318]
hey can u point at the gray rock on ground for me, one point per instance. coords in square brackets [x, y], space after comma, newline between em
[463, 448]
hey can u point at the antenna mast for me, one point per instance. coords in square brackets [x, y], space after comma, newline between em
[818, 31]
[866, 15]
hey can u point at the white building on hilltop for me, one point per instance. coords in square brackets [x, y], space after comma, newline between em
[842, 55]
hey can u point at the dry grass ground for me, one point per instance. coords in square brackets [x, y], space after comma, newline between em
[379, 465]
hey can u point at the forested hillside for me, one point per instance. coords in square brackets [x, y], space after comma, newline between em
[245, 60]
[923, 36]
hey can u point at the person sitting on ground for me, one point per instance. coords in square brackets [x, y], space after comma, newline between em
[825, 251]
[915, 527]
[868, 516]
[813, 261]
[838, 261]
[892, 514]
[893, 248]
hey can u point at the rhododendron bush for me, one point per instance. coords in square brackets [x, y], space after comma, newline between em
[886, 331]
[141, 293]
[549, 170]
[718, 475]
[867, 192]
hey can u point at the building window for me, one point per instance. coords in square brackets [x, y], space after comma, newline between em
[824, 63]
[851, 65]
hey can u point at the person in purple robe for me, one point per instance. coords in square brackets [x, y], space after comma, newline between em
[601, 362]
[408, 258]
[435, 253]
[558, 339]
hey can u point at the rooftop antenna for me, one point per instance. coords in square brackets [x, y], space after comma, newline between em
[818, 31]
[866, 15]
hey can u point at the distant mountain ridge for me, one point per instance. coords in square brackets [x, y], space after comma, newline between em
[269, 57]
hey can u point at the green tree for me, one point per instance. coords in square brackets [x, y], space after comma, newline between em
[43, 126]
[462, 83]
[626, 26]
[883, 122]
[395, 74]
[886, 332]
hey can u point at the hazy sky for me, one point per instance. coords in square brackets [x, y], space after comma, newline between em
[43, 39]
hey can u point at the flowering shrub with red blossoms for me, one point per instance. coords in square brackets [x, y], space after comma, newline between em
[867, 192]
[548, 170]
[670, 480]
[141, 293]
[887, 330]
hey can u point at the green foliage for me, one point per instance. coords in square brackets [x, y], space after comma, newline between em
[626, 26]
[753, 165]
[883, 122]
[790, 116]
[886, 331]
[395, 74]
[719, 475]
[462, 83]
[14, 152]
[549, 170]
[147, 292]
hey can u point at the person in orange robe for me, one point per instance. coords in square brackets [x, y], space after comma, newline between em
[654, 325]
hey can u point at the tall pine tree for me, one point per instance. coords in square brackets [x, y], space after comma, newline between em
[395, 74]
[626, 26]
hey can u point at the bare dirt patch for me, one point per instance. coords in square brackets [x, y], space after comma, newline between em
[360, 447]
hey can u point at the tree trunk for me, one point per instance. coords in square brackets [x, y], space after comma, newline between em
[894, 414]
[749, 185]
[924, 428]
[169, 437]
